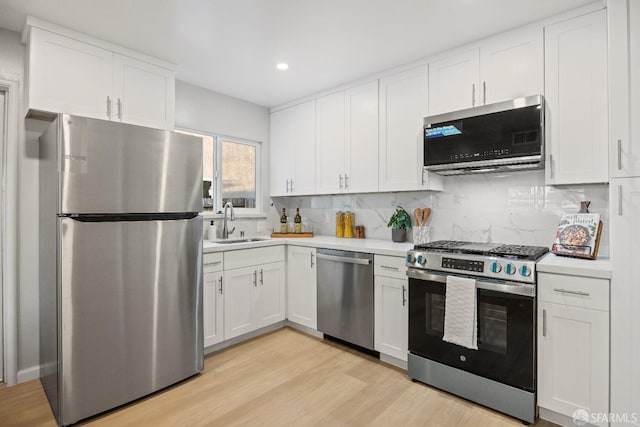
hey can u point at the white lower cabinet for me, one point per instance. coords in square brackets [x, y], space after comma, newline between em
[573, 345]
[302, 286]
[391, 306]
[254, 294]
[213, 299]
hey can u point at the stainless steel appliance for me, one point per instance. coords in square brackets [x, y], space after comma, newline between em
[120, 263]
[345, 296]
[497, 137]
[501, 373]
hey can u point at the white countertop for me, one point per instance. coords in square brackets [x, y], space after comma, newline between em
[597, 268]
[380, 247]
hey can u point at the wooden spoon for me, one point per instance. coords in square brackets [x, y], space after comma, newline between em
[426, 213]
[417, 216]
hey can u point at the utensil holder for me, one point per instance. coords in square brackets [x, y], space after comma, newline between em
[421, 234]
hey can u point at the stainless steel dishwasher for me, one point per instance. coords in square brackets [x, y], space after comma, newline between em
[345, 296]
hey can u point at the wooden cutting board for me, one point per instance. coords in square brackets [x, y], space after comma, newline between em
[291, 235]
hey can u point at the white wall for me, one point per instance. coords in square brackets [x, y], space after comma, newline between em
[200, 109]
[12, 67]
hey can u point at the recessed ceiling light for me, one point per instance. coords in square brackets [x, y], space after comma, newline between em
[282, 66]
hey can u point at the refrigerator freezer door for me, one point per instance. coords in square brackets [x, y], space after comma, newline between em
[131, 307]
[108, 167]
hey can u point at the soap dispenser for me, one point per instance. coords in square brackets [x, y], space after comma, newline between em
[213, 232]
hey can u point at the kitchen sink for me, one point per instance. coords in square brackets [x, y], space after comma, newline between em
[248, 240]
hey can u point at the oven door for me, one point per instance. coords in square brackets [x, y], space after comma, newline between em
[506, 329]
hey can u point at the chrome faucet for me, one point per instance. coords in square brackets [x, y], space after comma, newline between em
[225, 229]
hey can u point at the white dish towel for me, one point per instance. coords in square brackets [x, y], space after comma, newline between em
[461, 312]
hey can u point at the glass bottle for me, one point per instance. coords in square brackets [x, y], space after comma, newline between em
[348, 225]
[283, 221]
[298, 222]
[340, 224]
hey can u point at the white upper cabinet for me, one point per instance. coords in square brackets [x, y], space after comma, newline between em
[144, 94]
[404, 101]
[83, 77]
[624, 88]
[576, 129]
[503, 67]
[330, 140]
[292, 145]
[511, 66]
[347, 141]
[453, 82]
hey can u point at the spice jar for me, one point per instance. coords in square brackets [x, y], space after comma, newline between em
[359, 231]
[340, 224]
[348, 225]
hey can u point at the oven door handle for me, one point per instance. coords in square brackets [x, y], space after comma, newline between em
[504, 287]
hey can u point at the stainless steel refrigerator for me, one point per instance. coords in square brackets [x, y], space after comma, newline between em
[120, 263]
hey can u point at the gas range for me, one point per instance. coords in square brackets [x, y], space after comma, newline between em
[516, 263]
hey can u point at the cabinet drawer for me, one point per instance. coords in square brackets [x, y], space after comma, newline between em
[255, 256]
[585, 292]
[212, 262]
[390, 266]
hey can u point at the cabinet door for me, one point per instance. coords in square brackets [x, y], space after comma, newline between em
[303, 180]
[624, 88]
[282, 133]
[453, 82]
[239, 301]
[361, 142]
[625, 296]
[212, 309]
[69, 76]
[391, 319]
[573, 359]
[403, 107]
[576, 100]
[270, 299]
[301, 286]
[511, 66]
[330, 140]
[144, 93]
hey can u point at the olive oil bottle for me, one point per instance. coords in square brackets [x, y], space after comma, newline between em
[283, 221]
[297, 221]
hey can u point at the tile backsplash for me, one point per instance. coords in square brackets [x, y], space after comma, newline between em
[516, 208]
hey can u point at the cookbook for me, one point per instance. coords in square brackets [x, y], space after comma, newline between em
[578, 235]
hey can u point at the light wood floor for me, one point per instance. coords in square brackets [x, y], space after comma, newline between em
[284, 378]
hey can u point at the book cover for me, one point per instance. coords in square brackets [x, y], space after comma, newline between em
[578, 235]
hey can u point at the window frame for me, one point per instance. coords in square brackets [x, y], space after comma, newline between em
[216, 185]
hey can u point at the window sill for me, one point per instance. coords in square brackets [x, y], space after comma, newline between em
[239, 215]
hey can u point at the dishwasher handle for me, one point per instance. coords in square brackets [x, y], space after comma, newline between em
[360, 261]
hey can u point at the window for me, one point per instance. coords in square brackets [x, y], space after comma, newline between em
[230, 172]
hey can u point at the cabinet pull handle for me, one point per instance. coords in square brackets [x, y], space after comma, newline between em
[340, 181]
[287, 186]
[484, 92]
[346, 181]
[422, 176]
[214, 263]
[119, 109]
[386, 267]
[473, 94]
[567, 291]
[109, 107]
[619, 154]
[261, 277]
[619, 200]
[255, 278]
[544, 322]
[551, 166]
[311, 259]
[404, 293]
[220, 289]
[292, 181]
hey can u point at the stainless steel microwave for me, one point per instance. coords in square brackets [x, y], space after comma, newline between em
[503, 136]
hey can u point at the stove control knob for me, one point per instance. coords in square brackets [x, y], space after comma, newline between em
[421, 260]
[411, 258]
[496, 267]
[510, 269]
[525, 271]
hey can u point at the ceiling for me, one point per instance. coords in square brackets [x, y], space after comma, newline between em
[232, 46]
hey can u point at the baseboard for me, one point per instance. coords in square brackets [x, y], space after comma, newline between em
[28, 374]
[557, 418]
[398, 363]
[245, 337]
[307, 330]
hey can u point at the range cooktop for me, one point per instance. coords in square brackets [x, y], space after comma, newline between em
[531, 253]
